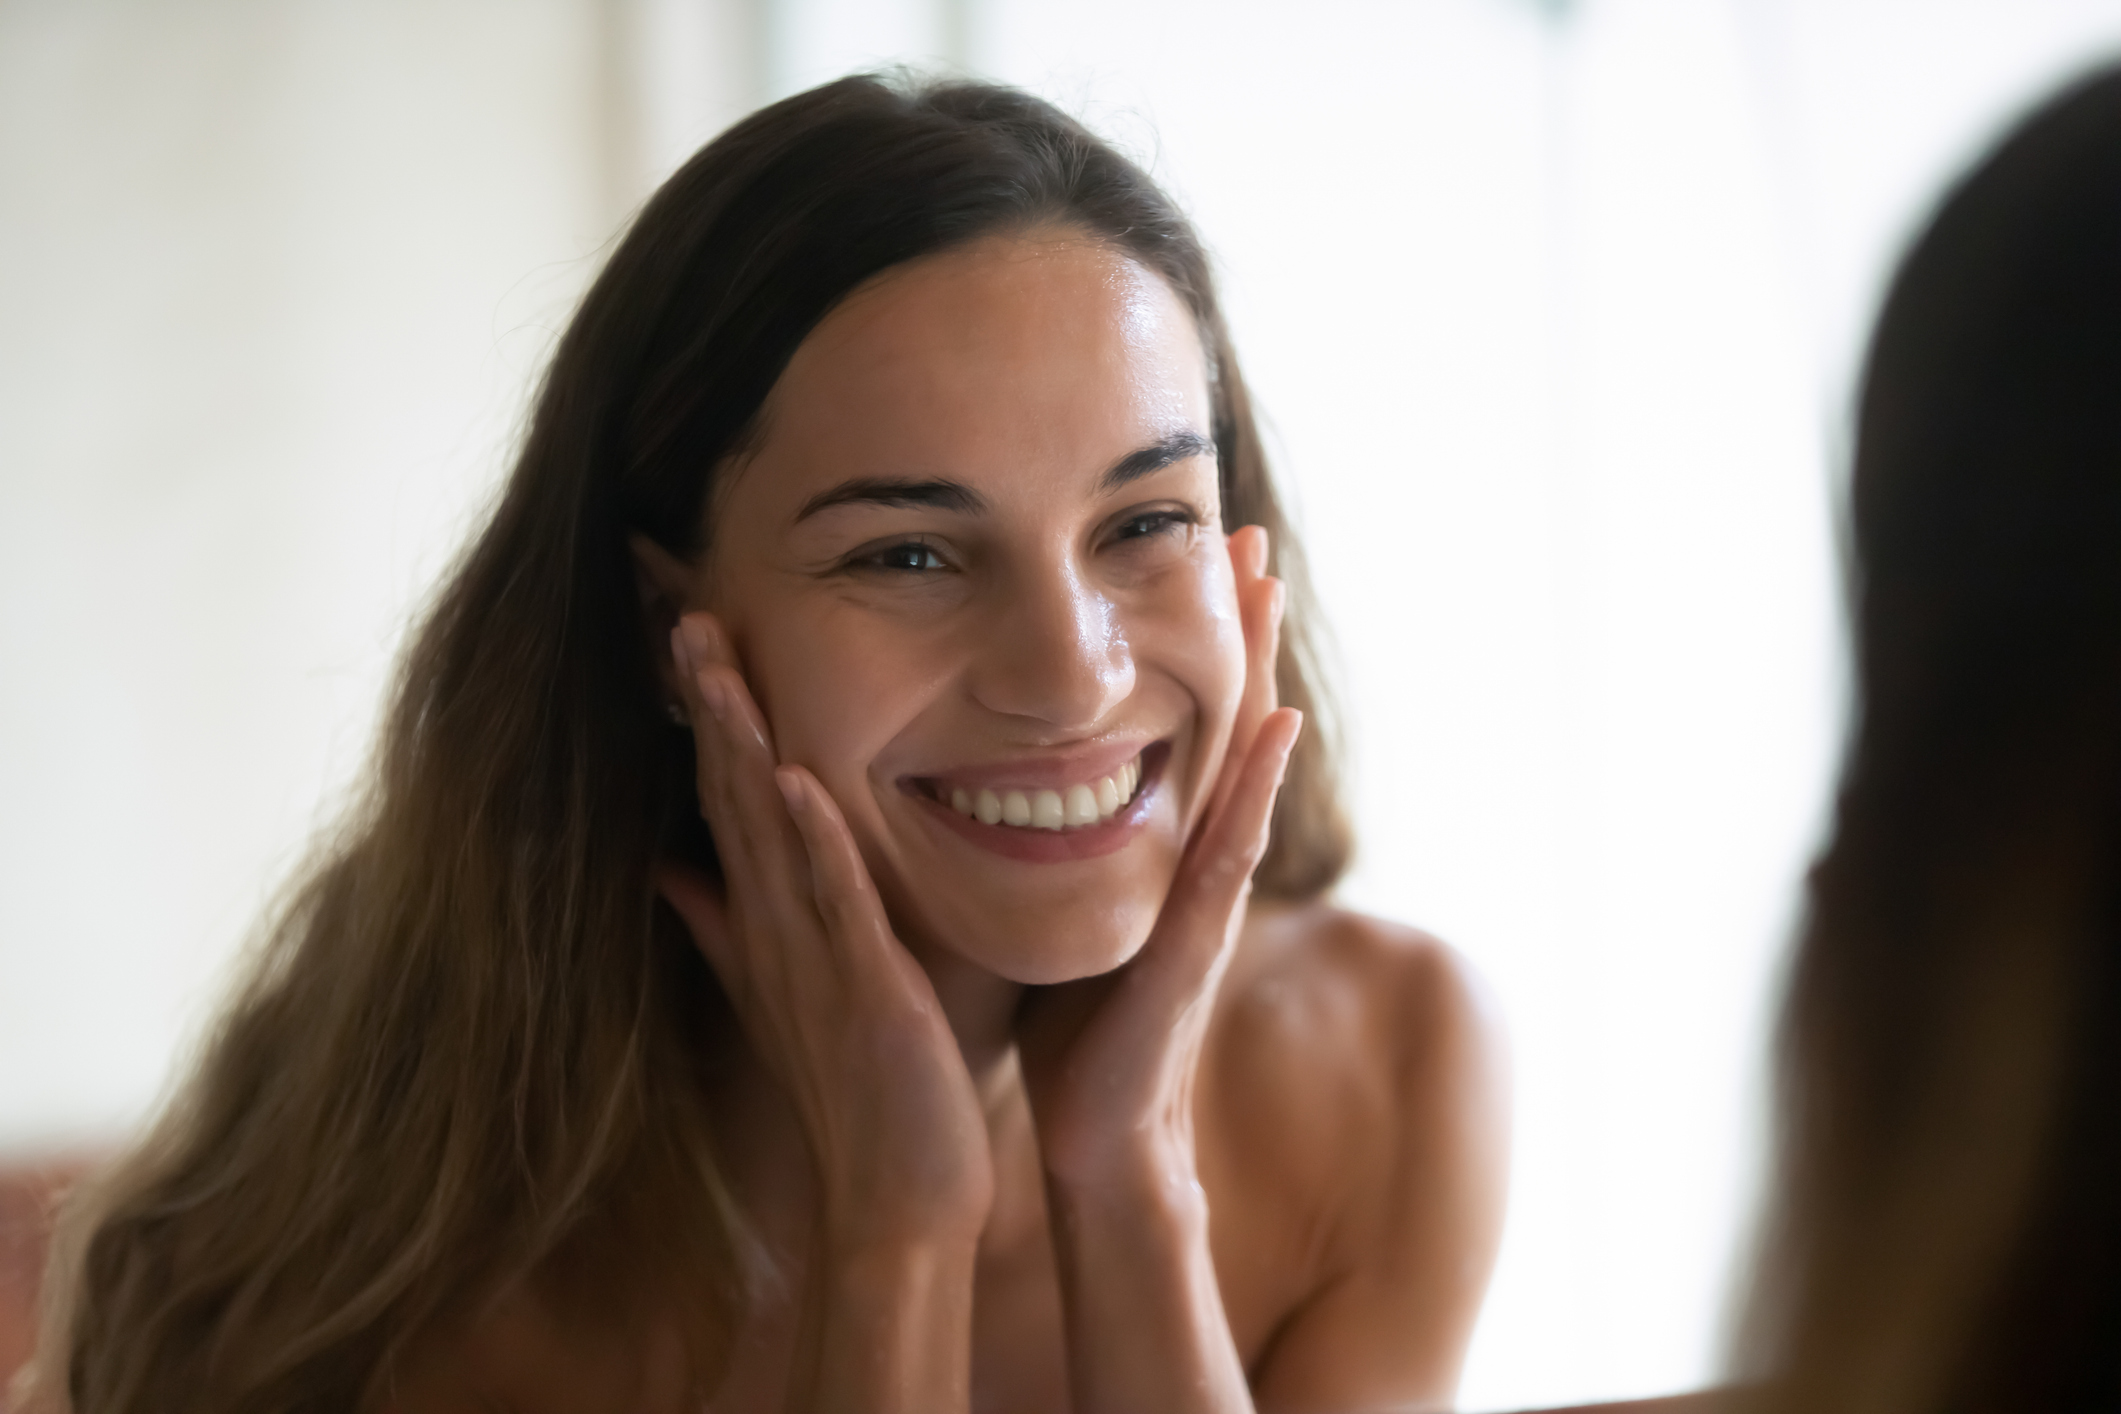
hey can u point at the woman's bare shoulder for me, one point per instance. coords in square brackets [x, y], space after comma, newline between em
[1355, 1100]
[1327, 986]
[1347, 1047]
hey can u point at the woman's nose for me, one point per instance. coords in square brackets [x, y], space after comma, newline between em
[1056, 652]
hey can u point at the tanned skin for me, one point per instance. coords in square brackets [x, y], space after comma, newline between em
[1086, 1129]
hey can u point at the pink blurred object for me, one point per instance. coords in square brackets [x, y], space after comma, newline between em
[29, 1194]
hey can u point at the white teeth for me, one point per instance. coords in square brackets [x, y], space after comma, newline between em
[1067, 809]
[1080, 808]
[1015, 809]
[1046, 810]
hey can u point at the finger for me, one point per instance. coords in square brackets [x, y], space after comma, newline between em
[1213, 879]
[1248, 546]
[845, 895]
[1261, 600]
[875, 965]
[763, 860]
[691, 646]
[1262, 618]
[743, 808]
[1171, 984]
[700, 908]
[1236, 838]
[753, 891]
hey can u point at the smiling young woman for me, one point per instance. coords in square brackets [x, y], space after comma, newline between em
[838, 919]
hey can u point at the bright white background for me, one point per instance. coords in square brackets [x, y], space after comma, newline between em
[1553, 308]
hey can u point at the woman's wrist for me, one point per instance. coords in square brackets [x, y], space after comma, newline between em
[893, 1326]
[866, 1265]
[868, 1235]
[1150, 1182]
[887, 1208]
[1146, 1327]
[1142, 1162]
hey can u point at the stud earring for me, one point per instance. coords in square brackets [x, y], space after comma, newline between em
[675, 711]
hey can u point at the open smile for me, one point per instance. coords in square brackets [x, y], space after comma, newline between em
[1047, 823]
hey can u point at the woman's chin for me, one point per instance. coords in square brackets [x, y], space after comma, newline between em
[1030, 960]
[1033, 940]
[1050, 972]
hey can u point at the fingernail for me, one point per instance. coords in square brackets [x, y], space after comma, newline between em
[699, 640]
[791, 792]
[680, 647]
[711, 693]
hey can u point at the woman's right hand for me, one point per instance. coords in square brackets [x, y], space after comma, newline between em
[828, 997]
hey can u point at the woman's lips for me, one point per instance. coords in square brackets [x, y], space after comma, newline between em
[1051, 824]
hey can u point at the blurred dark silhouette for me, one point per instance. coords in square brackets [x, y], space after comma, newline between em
[1946, 1232]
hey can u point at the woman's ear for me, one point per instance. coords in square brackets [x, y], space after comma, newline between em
[665, 584]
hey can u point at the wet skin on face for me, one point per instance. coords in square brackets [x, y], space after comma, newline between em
[977, 551]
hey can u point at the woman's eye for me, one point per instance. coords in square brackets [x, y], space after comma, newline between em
[1153, 523]
[911, 557]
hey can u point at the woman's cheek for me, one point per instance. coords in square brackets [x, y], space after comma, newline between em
[1192, 632]
[1222, 633]
[830, 704]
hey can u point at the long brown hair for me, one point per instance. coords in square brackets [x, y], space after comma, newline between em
[472, 1047]
[1948, 1236]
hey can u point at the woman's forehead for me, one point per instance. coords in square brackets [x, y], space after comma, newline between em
[1049, 355]
[1065, 279]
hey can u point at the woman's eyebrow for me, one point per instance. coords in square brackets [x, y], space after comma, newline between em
[956, 496]
[882, 491]
[1156, 456]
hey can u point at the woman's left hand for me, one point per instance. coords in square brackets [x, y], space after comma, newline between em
[1109, 1064]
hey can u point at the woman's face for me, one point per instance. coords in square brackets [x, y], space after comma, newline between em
[975, 574]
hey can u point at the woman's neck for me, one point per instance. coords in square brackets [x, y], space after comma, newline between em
[981, 1009]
